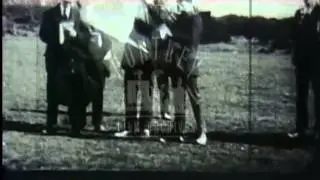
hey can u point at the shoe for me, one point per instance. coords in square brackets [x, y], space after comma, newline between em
[166, 116]
[181, 139]
[202, 139]
[295, 134]
[49, 131]
[100, 128]
[121, 134]
[146, 133]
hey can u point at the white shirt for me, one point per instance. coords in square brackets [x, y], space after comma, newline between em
[178, 7]
[68, 9]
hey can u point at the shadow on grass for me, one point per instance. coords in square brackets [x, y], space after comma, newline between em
[278, 140]
[37, 128]
[60, 112]
[107, 114]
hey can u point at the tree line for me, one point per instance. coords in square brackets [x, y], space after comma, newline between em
[269, 31]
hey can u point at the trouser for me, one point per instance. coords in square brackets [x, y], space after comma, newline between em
[98, 72]
[135, 80]
[181, 85]
[94, 70]
[163, 85]
[305, 74]
[52, 104]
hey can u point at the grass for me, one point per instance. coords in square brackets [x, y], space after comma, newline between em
[224, 91]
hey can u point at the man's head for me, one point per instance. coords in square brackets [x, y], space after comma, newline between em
[69, 2]
[311, 3]
[307, 2]
[158, 2]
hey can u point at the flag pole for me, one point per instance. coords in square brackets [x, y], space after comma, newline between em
[250, 80]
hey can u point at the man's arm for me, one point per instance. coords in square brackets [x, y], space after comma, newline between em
[46, 28]
[83, 33]
[143, 28]
[192, 34]
[155, 16]
[294, 32]
[79, 32]
[317, 9]
[294, 36]
[197, 30]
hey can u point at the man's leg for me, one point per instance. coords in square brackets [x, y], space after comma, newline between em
[163, 84]
[98, 73]
[77, 114]
[146, 88]
[52, 104]
[194, 96]
[302, 90]
[179, 98]
[316, 89]
[97, 110]
[130, 98]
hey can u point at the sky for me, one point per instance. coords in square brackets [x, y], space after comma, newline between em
[267, 8]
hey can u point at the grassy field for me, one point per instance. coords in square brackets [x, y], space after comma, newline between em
[224, 90]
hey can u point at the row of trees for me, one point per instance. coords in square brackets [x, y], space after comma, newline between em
[273, 32]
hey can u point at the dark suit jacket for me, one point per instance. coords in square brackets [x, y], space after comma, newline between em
[85, 47]
[49, 34]
[317, 14]
[49, 28]
[55, 54]
[304, 36]
[88, 56]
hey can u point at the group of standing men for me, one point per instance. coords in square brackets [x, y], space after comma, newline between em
[306, 60]
[183, 80]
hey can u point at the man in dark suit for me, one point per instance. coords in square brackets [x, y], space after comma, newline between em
[54, 53]
[61, 47]
[305, 59]
[90, 45]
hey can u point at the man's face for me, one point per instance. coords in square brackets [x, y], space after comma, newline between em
[158, 2]
[306, 2]
[69, 2]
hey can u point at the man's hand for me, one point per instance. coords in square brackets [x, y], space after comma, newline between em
[172, 17]
[69, 27]
[96, 37]
[162, 32]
